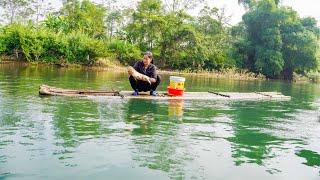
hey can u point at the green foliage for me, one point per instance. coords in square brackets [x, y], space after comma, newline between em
[247, 3]
[271, 40]
[80, 48]
[263, 29]
[113, 21]
[242, 51]
[147, 25]
[214, 44]
[57, 24]
[318, 56]
[71, 37]
[41, 44]
[180, 41]
[253, 3]
[276, 41]
[300, 43]
[2, 42]
[126, 53]
[11, 40]
[83, 16]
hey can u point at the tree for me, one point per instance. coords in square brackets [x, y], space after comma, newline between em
[41, 9]
[83, 16]
[179, 42]
[147, 24]
[264, 33]
[251, 3]
[300, 43]
[180, 5]
[214, 39]
[242, 51]
[247, 3]
[16, 10]
[276, 42]
[113, 21]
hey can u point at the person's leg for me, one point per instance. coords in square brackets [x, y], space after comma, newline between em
[138, 86]
[133, 83]
[156, 84]
[143, 86]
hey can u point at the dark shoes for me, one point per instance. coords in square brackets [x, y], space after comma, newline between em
[153, 93]
[135, 93]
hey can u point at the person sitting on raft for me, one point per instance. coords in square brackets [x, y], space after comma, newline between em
[152, 80]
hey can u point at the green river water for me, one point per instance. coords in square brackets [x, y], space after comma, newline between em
[101, 138]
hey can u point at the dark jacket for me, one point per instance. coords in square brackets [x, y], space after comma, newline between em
[151, 70]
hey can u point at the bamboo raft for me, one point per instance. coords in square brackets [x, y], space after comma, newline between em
[210, 95]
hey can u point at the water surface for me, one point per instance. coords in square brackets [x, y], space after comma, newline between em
[100, 138]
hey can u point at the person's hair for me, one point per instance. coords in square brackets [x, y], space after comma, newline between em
[149, 54]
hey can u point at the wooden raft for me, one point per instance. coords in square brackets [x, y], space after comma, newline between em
[53, 91]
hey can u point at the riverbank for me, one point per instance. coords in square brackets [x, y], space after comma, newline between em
[112, 65]
[231, 73]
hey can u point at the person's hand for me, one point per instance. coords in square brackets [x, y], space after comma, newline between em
[130, 70]
[152, 80]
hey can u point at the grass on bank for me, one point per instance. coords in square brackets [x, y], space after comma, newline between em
[112, 64]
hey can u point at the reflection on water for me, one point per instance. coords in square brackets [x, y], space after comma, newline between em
[250, 143]
[175, 109]
[312, 158]
[96, 137]
[143, 114]
[156, 143]
[264, 132]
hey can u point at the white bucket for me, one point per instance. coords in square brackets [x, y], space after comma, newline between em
[177, 82]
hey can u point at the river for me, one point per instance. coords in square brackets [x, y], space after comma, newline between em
[101, 138]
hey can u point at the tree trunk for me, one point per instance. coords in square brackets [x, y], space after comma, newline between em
[16, 53]
[287, 74]
[162, 59]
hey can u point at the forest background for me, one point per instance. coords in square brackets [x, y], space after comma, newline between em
[272, 40]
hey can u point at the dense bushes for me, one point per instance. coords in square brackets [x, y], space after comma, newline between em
[2, 43]
[126, 53]
[79, 48]
[74, 35]
[41, 44]
[26, 42]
